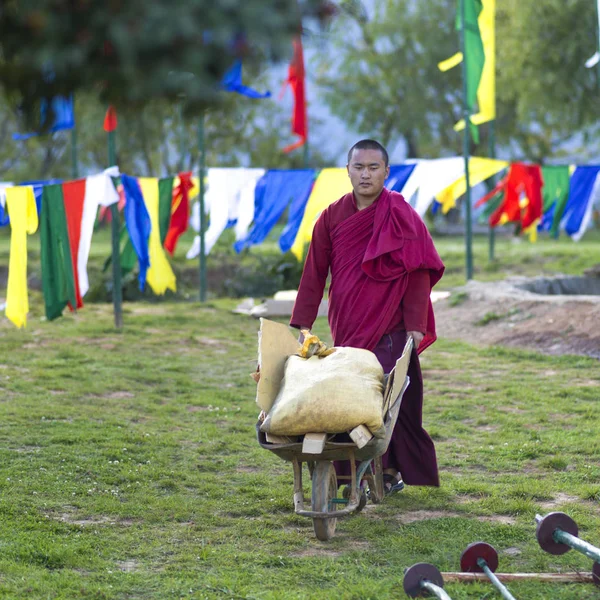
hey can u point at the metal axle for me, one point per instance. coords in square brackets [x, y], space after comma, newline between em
[424, 579]
[482, 557]
[557, 533]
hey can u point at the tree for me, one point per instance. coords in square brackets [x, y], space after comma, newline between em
[381, 75]
[135, 51]
[156, 140]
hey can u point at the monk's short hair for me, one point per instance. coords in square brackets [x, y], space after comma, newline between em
[369, 145]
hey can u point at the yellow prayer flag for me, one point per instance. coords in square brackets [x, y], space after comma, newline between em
[451, 62]
[20, 203]
[486, 92]
[480, 169]
[532, 231]
[331, 185]
[160, 276]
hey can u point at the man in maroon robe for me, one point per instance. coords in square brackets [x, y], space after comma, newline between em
[383, 266]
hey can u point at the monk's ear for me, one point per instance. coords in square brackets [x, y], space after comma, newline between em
[348, 169]
[387, 171]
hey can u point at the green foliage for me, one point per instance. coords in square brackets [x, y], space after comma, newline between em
[263, 276]
[381, 76]
[156, 140]
[136, 51]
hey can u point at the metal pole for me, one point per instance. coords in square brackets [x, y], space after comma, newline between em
[201, 170]
[116, 258]
[182, 145]
[467, 117]
[306, 156]
[562, 537]
[599, 40]
[492, 153]
[497, 583]
[74, 162]
[437, 591]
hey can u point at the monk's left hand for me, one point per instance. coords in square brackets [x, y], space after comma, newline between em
[417, 337]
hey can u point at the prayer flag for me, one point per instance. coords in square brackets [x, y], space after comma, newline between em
[296, 81]
[20, 203]
[160, 276]
[476, 57]
[486, 92]
[61, 109]
[594, 60]
[74, 198]
[58, 283]
[180, 211]
[232, 82]
[110, 119]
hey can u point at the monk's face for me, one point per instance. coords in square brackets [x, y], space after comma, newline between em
[367, 172]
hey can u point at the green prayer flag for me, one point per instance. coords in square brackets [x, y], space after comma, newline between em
[128, 255]
[474, 55]
[58, 283]
[556, 189]
[165, 200]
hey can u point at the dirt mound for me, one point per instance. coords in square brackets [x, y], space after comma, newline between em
[501, 313]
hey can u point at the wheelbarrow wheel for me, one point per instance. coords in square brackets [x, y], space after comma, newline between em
[324, 490]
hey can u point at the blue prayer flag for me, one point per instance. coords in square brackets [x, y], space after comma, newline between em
[137, 221]
[232, 82]
[64, 117]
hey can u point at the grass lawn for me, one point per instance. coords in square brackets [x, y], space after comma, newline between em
[129, 467]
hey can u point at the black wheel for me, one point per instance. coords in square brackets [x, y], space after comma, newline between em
[324, 489]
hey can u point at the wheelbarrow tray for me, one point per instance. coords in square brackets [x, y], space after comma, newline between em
[340, 450]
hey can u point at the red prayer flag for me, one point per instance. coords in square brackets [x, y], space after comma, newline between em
[110, 119]
[500, 187]
[73, 197]
[525, 179]
[180, 211]
[296, 81]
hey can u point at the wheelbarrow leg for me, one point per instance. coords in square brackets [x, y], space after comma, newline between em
[377, 492]
[324, 490]
[298, 493]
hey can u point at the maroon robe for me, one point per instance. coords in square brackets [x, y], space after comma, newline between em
[383, 265]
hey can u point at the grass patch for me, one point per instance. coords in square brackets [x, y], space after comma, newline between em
[458, 298]
[489, 317]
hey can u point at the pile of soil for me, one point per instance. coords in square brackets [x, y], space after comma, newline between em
[500, 313]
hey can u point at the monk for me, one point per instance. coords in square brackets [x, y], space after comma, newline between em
[383, 265]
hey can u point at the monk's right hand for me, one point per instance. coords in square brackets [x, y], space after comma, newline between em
[304, 331]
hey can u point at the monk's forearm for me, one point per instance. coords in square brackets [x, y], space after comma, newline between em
[314, 277]
[416, 301]
[306, 307]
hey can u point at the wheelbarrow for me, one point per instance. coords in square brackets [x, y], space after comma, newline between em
[366, 478]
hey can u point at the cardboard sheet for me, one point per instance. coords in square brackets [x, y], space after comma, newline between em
[275, 344]
[398, 375]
